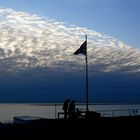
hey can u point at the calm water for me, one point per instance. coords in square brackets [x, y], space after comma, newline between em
[8, 111]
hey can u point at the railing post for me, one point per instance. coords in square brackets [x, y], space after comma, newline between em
[129, 112]
[55, 111]
[113, 113]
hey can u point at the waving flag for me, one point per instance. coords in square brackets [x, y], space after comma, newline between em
[82, 49]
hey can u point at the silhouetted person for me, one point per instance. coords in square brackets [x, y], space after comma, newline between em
[71, 109]
[65, 108]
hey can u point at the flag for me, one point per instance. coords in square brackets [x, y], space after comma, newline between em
[82, 49]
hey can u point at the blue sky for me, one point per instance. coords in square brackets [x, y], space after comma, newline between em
[118, 18]
[42, 64]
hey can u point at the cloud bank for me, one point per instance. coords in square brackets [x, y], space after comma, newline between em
[37, 62]
[30, 41]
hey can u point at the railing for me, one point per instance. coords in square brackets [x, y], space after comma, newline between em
[104, 113]
[120, 112]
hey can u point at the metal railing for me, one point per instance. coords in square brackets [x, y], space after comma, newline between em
[119, 112]
[104, 113]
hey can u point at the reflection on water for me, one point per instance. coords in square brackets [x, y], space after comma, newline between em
[8, 111]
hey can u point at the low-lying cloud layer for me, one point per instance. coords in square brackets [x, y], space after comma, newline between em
[30, 41]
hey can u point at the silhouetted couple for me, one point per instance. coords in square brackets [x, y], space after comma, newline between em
[69, 109]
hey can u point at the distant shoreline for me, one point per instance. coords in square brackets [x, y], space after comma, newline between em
[60, 103]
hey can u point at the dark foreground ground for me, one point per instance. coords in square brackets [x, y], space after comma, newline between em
[74, 128]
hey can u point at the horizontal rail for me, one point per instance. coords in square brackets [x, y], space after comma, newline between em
[117, 112]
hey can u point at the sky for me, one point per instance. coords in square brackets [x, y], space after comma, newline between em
[118, 18]
[36, 53]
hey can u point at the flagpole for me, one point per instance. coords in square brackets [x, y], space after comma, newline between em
[86, 76]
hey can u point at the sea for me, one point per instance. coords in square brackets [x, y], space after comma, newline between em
[51, 110]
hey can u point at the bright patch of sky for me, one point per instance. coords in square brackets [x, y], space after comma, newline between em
[28, 41]
[118, 18]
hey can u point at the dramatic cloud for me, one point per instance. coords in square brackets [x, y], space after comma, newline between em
[29, 41]
[37, 62]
